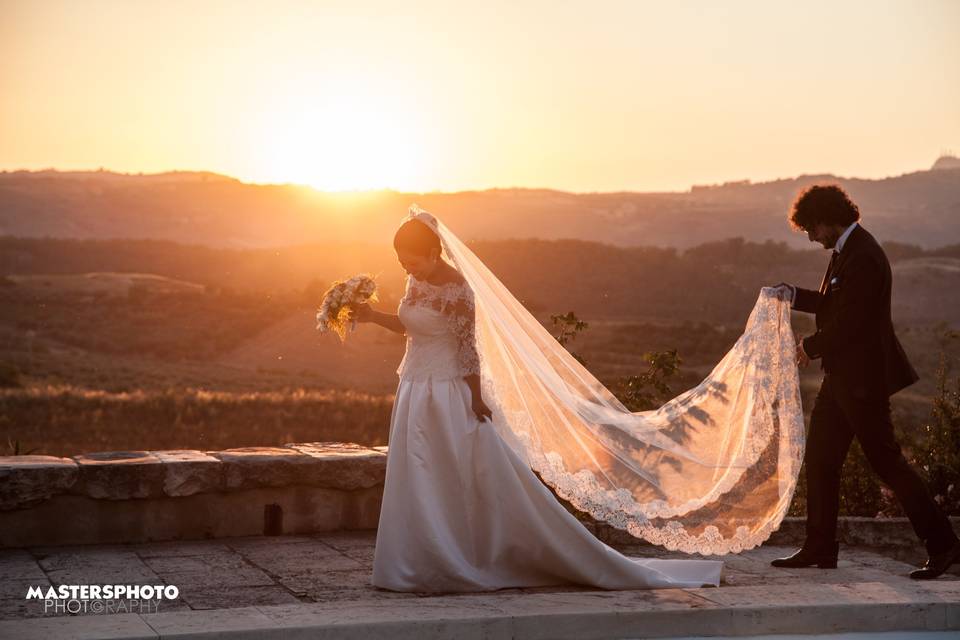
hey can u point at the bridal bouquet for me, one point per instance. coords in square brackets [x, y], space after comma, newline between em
[336, 309]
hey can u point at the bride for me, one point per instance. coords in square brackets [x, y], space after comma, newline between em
[487, 396]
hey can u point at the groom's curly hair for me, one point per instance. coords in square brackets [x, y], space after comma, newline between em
[826, 203]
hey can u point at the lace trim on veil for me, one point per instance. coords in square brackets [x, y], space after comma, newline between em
[619, 509]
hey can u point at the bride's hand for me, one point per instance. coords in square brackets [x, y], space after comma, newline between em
[362, 313]
[481, 410]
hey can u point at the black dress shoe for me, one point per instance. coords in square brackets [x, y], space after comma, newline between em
[824, 559]
[937, 563]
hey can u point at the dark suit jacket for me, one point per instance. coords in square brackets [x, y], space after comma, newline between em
[855, 337]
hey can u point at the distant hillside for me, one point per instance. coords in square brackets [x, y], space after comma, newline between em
[118, 284]
[713, 282]
[159, 315]
[921, 208]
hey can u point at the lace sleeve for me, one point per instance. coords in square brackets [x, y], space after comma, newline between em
[407, 285]
[461, 316]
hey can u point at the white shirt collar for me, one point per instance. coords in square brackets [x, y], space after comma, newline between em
[843, 237]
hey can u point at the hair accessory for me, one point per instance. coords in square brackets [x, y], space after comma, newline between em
[416, 213]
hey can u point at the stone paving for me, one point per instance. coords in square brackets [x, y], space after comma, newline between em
[285, 575]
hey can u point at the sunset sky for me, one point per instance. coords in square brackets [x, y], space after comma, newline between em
[420, 95]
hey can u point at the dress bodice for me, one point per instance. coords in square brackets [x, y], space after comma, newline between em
[440, 329]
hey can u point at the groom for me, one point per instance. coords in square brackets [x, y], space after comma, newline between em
[863, 365]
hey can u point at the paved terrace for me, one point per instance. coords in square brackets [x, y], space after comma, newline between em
[317, 586]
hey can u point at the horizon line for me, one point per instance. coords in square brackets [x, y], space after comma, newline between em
[744, 181]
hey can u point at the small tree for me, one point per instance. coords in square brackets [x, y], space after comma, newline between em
[647, 390]
[651, 388]
[568, 326]
[939, 456]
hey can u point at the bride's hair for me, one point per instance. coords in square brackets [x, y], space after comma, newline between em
[416, 237]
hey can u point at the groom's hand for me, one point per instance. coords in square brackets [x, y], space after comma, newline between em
[802, 358]
[785, 291]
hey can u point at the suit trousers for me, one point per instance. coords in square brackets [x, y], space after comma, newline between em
[838, 416]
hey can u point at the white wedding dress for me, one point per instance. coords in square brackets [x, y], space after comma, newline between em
[461, 511]
[712, 471]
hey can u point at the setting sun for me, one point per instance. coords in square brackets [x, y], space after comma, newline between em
[347, 96]
[342, 138]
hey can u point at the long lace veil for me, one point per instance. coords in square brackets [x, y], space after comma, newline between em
[712, 471]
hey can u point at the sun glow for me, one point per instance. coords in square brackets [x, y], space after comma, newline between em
[430, 95]
[344, 142]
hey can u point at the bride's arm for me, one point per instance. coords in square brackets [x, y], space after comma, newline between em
[479, 407]
[461, 316]
[364, 313]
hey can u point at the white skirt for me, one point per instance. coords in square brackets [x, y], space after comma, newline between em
[463, 512]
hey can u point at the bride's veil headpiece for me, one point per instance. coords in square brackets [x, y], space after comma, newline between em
[427, 218]
[712, 471]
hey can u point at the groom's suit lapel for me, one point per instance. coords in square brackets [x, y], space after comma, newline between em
[831, 269]
[849, 248]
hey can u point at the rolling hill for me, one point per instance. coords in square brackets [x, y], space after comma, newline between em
[921, 208]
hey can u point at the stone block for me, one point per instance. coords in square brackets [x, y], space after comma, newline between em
[80, 627]
[345, 466]
[255, 467]
[217, 598]
[222, 623]
[311, 558]
[187, 472]
[27, 480]
[119, 475]
[329, 447]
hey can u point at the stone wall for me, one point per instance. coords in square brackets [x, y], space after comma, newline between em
[140, 496]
